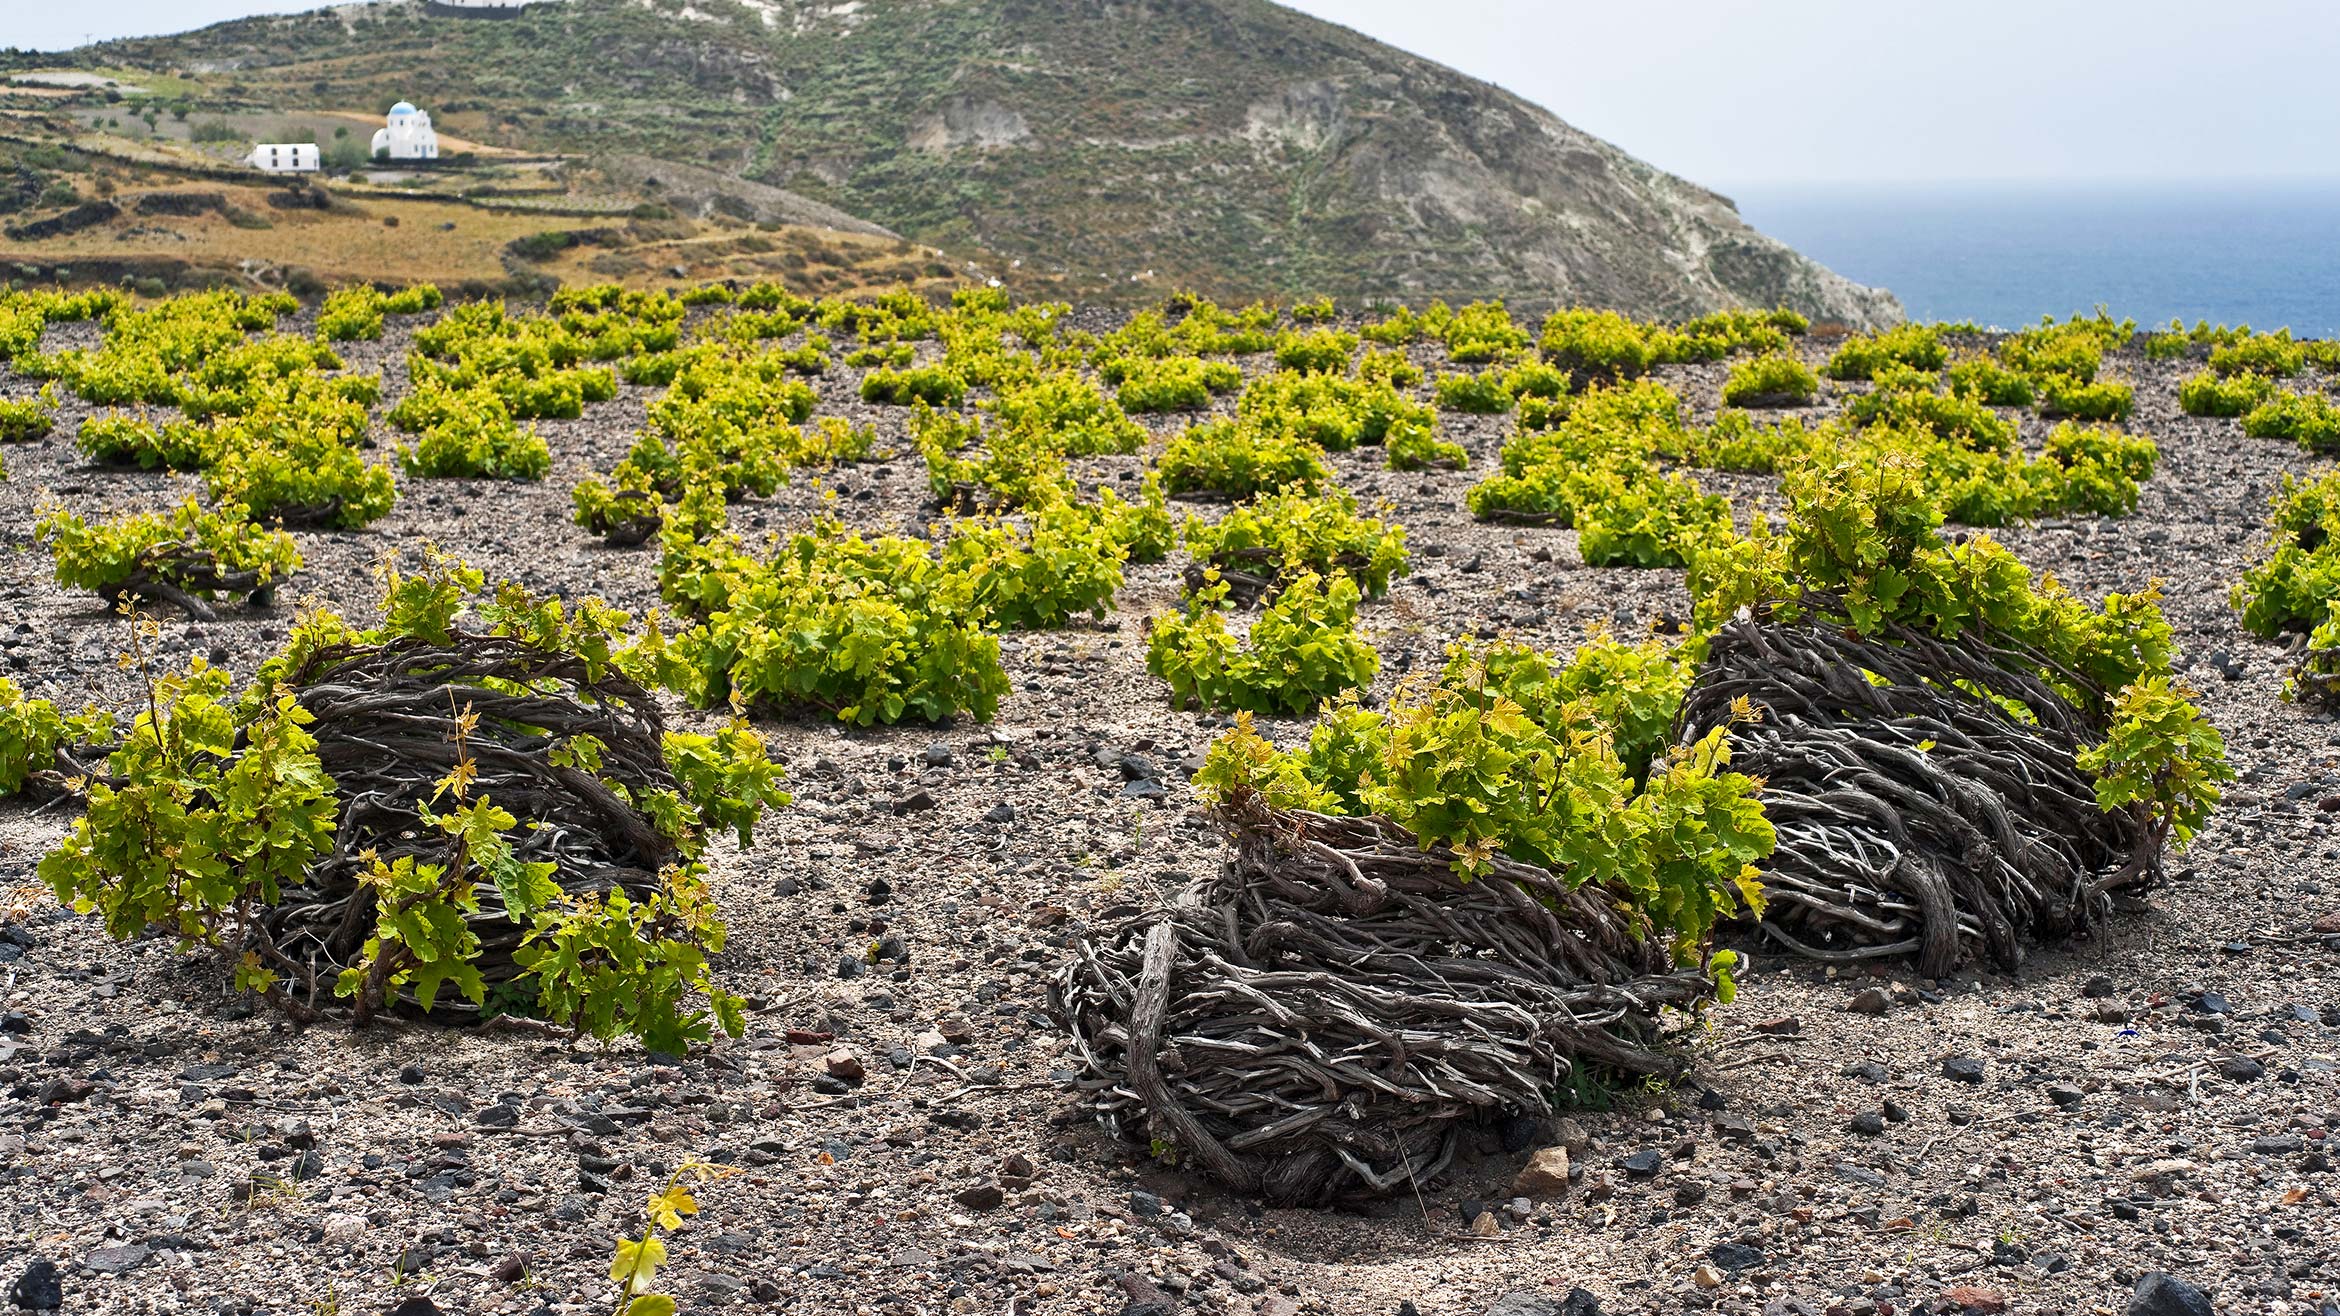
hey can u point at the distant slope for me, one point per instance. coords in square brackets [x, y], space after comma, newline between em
[1228, 145]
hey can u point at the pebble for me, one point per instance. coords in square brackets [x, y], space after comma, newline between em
[1642, 1164]
[1735, 1257]
[39, 1288]
[980, 1196]
[1544, 1176]
[117, 1260]
[2161, 1294]
[1870, 1001]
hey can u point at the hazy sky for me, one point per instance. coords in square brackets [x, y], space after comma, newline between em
[1734, 92]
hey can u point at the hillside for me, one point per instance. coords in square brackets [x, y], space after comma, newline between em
[1227, 145]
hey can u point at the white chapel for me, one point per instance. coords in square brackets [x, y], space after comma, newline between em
[407, 135]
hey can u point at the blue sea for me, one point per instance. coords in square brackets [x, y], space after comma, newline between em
[2263, 254]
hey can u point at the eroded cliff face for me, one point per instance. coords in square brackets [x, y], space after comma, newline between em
[1438, 186]
[1230, 146]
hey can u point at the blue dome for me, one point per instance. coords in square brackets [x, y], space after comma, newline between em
[402, 108]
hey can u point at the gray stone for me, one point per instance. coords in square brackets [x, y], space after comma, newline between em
[119, 1260]
[39, 1288]
[1735, 1257]
[2159, 1293]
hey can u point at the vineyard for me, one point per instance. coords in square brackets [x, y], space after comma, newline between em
[1041, 803]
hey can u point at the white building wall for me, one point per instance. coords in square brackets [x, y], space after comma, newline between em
[284, 158]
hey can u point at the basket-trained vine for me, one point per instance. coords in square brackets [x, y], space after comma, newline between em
[1771, 381]
[2294, 588]
[1485, 881]
[472, 434]
[1596, 471]
[1240, 458]
[1330, 411]
[1959, 761]
[38, 742]
[24, 419]
[186, 557]
[1059, 562]
[1917, 346]
[2208, 393]
[1258, 544]
[866, 629]
[472, 806]
[359, 311]
[1301, 650]
[1412, 447]
[303, 477]
[2308, 419]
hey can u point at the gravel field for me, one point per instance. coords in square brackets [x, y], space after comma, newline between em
[2160, 1100]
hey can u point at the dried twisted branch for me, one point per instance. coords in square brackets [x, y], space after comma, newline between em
[181, 574]
[2315, 677]
[386, 730]
[1257, 575]
[1918, 815]
[1324, 1017]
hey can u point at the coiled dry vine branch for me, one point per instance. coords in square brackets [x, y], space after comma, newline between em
[1324, 1017]
[1917, 814]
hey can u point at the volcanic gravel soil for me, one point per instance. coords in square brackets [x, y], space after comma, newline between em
[2160, 1099]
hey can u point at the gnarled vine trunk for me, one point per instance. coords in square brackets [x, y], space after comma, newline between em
[1917, 814]
[1324, 1017]
[386, 723]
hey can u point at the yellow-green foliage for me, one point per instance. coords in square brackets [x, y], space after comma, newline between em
[2308, 419]
[1330, 411]
[869, 630]
[1915, 345]
[1239, 458]
[1597, 345]
[1778, 380]
[1290, 532]
[1302, 650]
[188, 548]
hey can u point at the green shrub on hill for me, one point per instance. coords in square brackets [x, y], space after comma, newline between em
[2308, 419]
[1770, 381]
[1918, 346]
[1302, 650]
[1237, 459]
[2207, 393]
